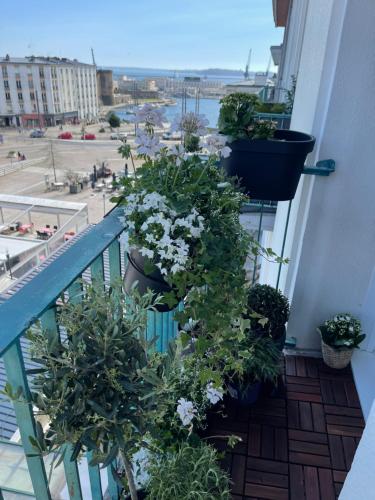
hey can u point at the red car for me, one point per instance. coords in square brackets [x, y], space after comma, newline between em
[88, 137]
[65, 135]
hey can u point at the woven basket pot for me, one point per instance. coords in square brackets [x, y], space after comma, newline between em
[336, 358]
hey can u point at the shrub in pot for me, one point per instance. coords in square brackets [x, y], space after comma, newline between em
[96, 385]
[267, 161]
[191, 472]
[340, 336]
[271, 310]
[260, 362]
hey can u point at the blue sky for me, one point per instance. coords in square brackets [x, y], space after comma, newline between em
[170, 34]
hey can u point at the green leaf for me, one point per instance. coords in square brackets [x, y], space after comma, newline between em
[111, 456]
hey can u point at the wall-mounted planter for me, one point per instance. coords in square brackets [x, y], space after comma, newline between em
[270, 169]
[154, 281]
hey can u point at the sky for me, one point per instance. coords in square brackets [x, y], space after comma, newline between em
[171, 34]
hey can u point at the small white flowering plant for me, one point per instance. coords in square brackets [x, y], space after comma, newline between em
[183, 399]
[342, 331]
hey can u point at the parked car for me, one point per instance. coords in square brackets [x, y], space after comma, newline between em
[118, 136]
[65, 135]
[88, 137]
[35, 134]
[171, 136]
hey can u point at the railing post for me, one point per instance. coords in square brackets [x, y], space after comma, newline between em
[16, 375]
[114, 261]
[95, 480]
[97, 270]
[75, 297]
[49, 324]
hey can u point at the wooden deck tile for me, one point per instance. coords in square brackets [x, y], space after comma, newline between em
[266, 492]
[299, 440]
[311, 483]
[327, 489]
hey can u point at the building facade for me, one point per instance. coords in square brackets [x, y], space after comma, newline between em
[46, 91]
[105, 86]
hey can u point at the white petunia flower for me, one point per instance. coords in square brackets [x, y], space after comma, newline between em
[146, 252]
[186, 411]
[213, 395]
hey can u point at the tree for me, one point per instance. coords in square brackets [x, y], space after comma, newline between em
[113, 120]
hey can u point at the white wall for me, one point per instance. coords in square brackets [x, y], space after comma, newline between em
[332, 236]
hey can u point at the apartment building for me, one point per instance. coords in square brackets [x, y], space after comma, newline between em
[46, 91]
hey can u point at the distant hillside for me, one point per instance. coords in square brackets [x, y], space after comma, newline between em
[209, 73]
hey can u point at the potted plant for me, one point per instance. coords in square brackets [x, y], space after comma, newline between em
[259, 362]
[73, 179]
[95, 385]
[183, 399]
[340, 336]
[191, 472]
[268, 161]
[182, 228]
[268, 311]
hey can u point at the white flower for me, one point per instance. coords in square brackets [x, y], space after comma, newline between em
[190, 123]
[213, 395]
[223, 185]
[148, 144]
[150, 115]
[124, 239]
[216, 145]
[146, 252]
[186, 411]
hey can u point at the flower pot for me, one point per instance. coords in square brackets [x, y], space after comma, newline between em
[245, 397]
[336, 358]
[279, 336]
[154, 281]
[270, 169]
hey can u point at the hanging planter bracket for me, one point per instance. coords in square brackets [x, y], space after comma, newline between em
[323, 168]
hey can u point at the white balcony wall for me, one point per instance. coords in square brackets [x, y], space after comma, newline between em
[331, 237]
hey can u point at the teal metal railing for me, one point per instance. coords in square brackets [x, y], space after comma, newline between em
[95, 256]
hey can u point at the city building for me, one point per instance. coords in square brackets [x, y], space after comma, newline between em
[105, 86]
[46, 91]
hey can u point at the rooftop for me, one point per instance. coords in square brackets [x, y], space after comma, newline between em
[62, 61]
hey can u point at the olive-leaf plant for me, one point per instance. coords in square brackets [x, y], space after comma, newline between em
[92, 383]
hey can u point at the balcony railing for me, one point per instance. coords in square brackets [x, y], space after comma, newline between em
[96, 256]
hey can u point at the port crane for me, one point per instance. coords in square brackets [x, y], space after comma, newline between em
[247, 74]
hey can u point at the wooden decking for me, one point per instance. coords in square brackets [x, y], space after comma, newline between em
[299, 441]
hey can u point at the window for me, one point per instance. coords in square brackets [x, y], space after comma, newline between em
[44, 97]
[45, 108]
[22, 109]
[31, 83]
[43, 84]
[32, 96]
[6, 84]
[18, 84]
[20, 96]
[5, 71]
[41, 72]
[7, 96]
[34, 107]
